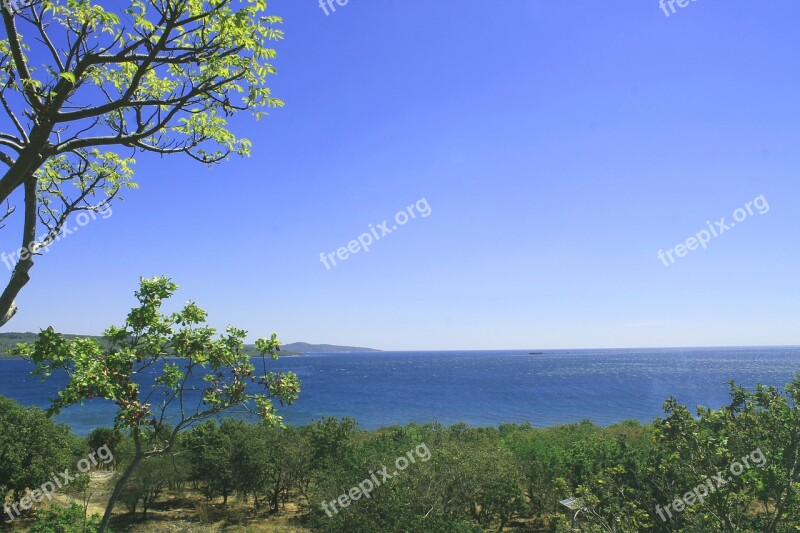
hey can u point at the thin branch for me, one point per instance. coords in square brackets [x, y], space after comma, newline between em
[36, 20]
[19, 59]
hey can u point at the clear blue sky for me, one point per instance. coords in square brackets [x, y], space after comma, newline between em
[559, 146]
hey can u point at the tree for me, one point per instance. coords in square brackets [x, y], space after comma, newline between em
[275, 458]
[156, 76]
[760, 432]
[460, 480]
[297, 460]
[329, 436]
[247, 458]
[250, 460]
[164, 373]
[211, 449]
[108, 437]
[610, 502]
[153, 477]
[31, 447]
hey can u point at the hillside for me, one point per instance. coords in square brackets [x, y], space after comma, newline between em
[11, 339]
[304, 347]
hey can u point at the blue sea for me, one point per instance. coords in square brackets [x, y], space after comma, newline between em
[483, 387]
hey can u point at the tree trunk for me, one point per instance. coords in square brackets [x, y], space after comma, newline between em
[118, 491]
[274, 502]
[19, 276]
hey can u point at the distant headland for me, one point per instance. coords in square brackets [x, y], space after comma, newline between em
[304, 347]
[11, 339]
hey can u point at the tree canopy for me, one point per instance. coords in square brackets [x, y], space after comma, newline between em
[86, 84]
[31, 447]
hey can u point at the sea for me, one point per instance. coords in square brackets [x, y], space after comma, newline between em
[481, 388]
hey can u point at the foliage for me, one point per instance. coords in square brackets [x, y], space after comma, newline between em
[506, 478]
[87, 84]
[31, 447]
[109, 437]
[211, 449]
[697, 447]
[149, 482]
[468, 482]
[58, 519]
[149, 368]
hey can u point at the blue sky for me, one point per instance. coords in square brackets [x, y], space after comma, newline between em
[559, 145]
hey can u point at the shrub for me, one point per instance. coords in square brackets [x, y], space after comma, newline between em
[59, 519]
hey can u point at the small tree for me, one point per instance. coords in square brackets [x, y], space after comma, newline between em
[763, 423]
[108, 437]
[211, 449]
[164, 373]
[154, 476]
[31, 447]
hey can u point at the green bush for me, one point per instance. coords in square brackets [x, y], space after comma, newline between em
[31, 447]
[59, 519]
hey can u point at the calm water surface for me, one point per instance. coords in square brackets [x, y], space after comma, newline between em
[484, 388]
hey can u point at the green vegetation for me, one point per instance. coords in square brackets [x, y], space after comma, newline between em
[146, 367]
[509, 478]
[171, 446]
[58, 519]
[10, 340]
[31, 447]
[84, 86]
